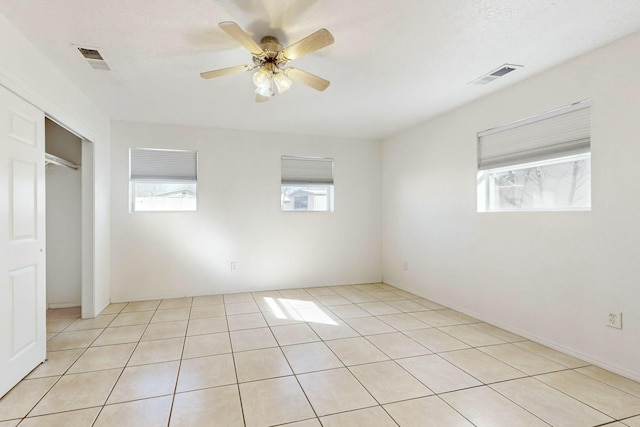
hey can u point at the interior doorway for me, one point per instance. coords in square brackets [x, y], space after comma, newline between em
[63, 160]
[69, 220]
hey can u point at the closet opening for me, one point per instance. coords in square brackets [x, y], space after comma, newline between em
[69, 218]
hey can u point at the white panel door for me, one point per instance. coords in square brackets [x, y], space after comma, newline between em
[23, 336]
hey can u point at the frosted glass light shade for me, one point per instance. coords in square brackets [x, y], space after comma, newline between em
[282, 82]
[262, 78]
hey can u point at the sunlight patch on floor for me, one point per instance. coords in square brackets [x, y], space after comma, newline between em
[307, 311]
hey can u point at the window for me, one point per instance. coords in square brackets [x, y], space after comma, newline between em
[307, 184]
[539, 164]
[162, 180]
[301, 202]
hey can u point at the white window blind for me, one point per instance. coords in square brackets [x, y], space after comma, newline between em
[307, 170]
[558, 133]
[165, 165]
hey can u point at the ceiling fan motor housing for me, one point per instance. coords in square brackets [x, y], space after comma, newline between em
[270, 44]
[270, 56]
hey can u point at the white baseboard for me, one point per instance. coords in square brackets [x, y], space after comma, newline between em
[540, 340]
[54, 305]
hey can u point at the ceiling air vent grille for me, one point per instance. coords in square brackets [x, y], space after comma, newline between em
[494, 74]
[94, 58]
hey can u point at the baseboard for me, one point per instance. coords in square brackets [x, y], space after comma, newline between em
[250, 289]
[540, 340]
[55, 305]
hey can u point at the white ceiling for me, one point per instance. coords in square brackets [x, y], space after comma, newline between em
[393, 64]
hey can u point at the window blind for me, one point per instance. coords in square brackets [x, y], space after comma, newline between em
[558, 133]
[166, 165]
[307, 170]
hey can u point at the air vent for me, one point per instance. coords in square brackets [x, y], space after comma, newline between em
[94, 58]
[494, 74]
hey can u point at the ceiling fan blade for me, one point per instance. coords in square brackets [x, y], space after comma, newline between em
[261, 98]
[224, 71]
[307, 79]
[311, 43]
[241, 36]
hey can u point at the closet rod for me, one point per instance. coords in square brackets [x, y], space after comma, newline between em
[55, 160]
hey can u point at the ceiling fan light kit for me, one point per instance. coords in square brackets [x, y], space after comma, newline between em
[269, 79]
[271, 73]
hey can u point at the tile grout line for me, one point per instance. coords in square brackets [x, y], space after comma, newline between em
[184, 344]
[351, 373]
[575, 397]
[482, 383]
[317, 417]
[324, 341]
[122, 371]
[64, 373]
[233, 360]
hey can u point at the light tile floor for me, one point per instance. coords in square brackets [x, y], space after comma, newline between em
[361, 355]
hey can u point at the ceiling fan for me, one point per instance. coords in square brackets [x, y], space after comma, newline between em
[271, 74]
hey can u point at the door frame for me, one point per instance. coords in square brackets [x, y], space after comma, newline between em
[87, 227]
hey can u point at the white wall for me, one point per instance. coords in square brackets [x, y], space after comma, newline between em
[64, 267]
[29, 74]
[160, 255]
[551, 276]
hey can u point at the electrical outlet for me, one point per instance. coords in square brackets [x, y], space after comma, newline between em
[614, 319]
[405, 265]
[234, 266]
